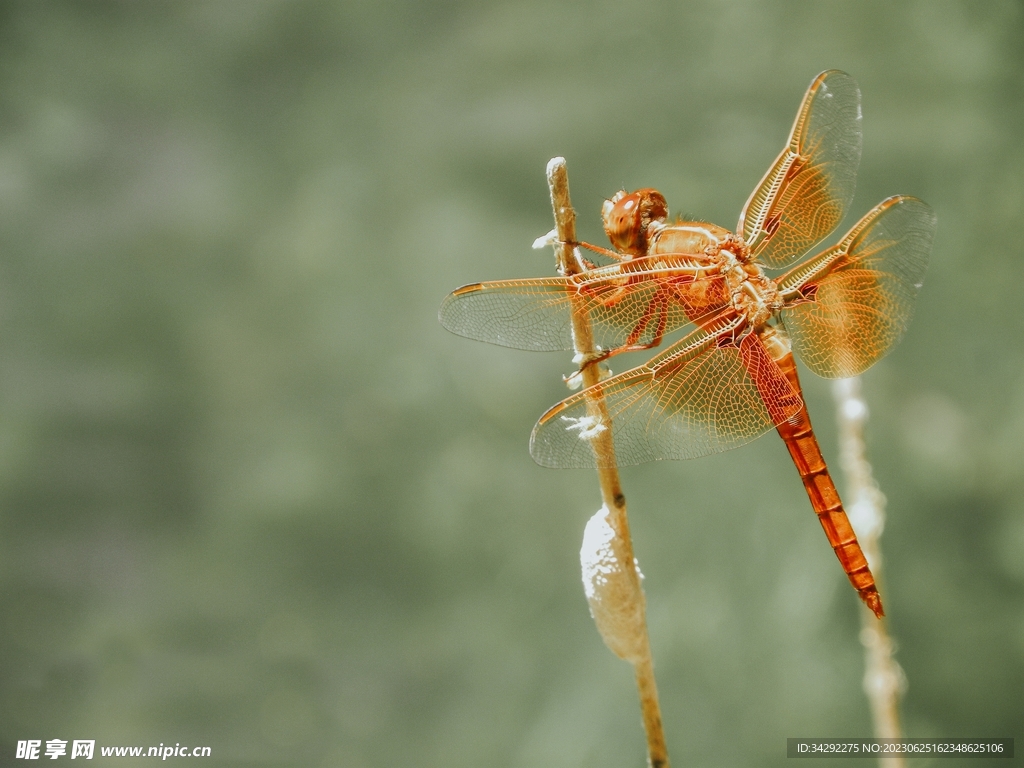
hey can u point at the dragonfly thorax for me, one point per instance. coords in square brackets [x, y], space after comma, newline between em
[752, 292]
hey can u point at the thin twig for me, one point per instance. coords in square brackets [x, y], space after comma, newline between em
[604, 450]
[884, 680]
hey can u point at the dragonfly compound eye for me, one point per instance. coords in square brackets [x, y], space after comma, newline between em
[626, 218]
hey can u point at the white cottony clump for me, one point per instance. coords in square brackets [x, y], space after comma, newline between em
[884, 678]
[864, 517]
[588, 426]
[575, 380]
[855, 409]
[868, 521]
[613, 592]
[551, 238]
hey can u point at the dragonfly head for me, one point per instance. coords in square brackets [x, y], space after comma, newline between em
[627, 216]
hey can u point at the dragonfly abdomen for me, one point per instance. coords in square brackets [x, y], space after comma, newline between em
[821, 490]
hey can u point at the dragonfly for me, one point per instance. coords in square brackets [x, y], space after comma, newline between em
[732, 377]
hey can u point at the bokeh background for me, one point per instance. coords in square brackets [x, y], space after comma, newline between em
[253, 496]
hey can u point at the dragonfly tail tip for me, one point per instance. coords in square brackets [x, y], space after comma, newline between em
[873, 601]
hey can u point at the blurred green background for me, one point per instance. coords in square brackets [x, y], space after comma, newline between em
[253, 496]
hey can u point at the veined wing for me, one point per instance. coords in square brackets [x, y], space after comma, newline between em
[532, 314]
[849, 305]
[809, 187]
[635, 302]
[715, 389]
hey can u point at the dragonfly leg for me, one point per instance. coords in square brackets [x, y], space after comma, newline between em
[603, 251]
[657, 306]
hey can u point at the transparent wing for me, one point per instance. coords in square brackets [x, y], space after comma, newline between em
[713, 390]
[532, 314]
[853, 302]
[632, 303]
[809, 187]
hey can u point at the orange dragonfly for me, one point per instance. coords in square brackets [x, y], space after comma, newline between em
[733, 376]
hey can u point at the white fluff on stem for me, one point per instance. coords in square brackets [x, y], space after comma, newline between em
[884, 680]
[615, 597]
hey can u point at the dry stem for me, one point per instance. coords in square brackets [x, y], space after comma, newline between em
[604, 450]
[884, 680]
